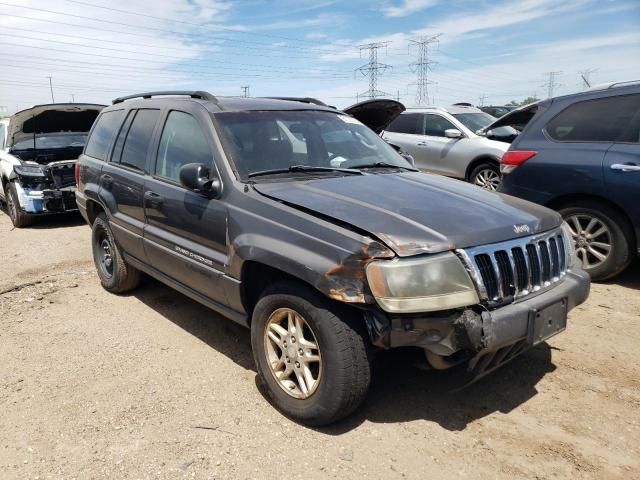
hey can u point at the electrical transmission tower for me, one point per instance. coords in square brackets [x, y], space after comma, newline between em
[245, 90]
[373, 69]
[552, 83]
[422, 66]
[584, 76]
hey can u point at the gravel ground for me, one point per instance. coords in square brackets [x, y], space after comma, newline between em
[153, 385]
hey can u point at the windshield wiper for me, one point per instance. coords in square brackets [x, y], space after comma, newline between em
[385, 165]
[303, 168]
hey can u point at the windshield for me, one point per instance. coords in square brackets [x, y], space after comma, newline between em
[52, 141]
[277, 140]
[479, 120]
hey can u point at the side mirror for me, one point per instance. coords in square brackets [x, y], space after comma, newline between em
[197, 178]
[452, 133]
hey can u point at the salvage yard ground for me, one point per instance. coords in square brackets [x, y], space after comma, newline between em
[153, 385]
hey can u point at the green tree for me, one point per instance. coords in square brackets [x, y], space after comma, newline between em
[526, 101]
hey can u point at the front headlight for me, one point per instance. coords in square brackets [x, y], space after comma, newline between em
[570, 243]
[426, 284]
[29, 170]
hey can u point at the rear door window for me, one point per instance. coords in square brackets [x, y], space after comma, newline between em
[407, 123]
[107, 125]
[136, 145]
[183, 141]
[601, 120]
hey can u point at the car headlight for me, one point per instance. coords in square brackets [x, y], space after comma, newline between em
[29, 170]
[571, 245]
[438, 282]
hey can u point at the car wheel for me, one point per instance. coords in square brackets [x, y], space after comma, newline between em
[602, 238]
[115, 274]
[487, 176]
[18, 217]
[311, 356]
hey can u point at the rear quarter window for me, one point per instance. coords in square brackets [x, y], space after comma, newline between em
[107, 124]
[601, 120]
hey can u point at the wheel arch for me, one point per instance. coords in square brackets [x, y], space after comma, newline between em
[480, 159]
[567, 200]
[93, 209]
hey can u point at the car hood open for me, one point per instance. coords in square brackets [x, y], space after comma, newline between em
[376, 114]
[415, 213]
[52, 118]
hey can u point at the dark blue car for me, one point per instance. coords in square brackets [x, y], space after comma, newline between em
[580, 154]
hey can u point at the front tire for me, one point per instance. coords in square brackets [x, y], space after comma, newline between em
[602, 238]
[116, 275]
[311, 355]
[19, 217]
[486, 176]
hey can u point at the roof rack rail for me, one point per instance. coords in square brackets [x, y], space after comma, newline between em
[193, 94]
[312, 100]
[626, 82]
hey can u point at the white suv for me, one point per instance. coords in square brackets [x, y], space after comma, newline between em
[451, 141]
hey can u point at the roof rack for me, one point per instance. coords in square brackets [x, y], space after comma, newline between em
[621, 84]
[193, 94]
[312, 100]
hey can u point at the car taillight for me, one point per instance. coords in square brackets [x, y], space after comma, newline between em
[514, 158]
[77, 173]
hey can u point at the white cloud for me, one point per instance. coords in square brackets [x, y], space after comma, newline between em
[407, 7]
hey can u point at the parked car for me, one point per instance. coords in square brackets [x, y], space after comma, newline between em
[38, 151]
[497, 111]
[327, 252]
[580, 154]
[450, 141]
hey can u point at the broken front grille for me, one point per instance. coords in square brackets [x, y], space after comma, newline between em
[63, 175]
[509, 270]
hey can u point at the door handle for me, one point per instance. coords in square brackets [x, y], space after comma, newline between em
[153, 199]
[625, 168]
[421, 144]
[106, 181]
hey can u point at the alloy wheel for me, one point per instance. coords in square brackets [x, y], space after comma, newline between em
[592, 239]
[11, 207]
[488, 179]
[293, 353]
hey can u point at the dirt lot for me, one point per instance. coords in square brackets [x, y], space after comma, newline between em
[153, 385]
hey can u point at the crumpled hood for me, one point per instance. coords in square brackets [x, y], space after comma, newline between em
[416, 213]
[52, 118]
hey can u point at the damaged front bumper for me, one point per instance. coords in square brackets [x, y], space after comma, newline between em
[485, 338]
[46, 201]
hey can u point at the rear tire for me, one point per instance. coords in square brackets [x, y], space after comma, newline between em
[115, 274]
[486, 176]
[339, 378]
[587, 219]
[19, 217]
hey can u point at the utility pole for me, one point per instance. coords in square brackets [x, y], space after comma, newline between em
[51, 88]
[245, 90]
[552, 83]
[373, 68]
[483, 97]
[73, 98]
[584, 76]
[422, 66]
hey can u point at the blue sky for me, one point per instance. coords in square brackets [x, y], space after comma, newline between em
[95, 51]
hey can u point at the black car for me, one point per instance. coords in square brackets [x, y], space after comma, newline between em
[497, 111]
[580, 154]
[298, 221]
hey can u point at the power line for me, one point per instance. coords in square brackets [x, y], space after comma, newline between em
[245, 90]
[552, 83]
[373, 68]
[422, 66]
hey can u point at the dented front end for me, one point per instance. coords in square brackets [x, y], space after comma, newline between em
[45, 188]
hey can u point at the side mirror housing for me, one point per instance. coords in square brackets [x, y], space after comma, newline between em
[452, 133]
[197, 178]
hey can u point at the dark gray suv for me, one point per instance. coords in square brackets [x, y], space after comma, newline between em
[580, 154]
[298, 221]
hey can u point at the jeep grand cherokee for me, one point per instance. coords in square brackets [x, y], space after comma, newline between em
[299, 222]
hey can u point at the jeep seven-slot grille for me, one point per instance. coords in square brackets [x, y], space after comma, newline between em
[516, 268]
